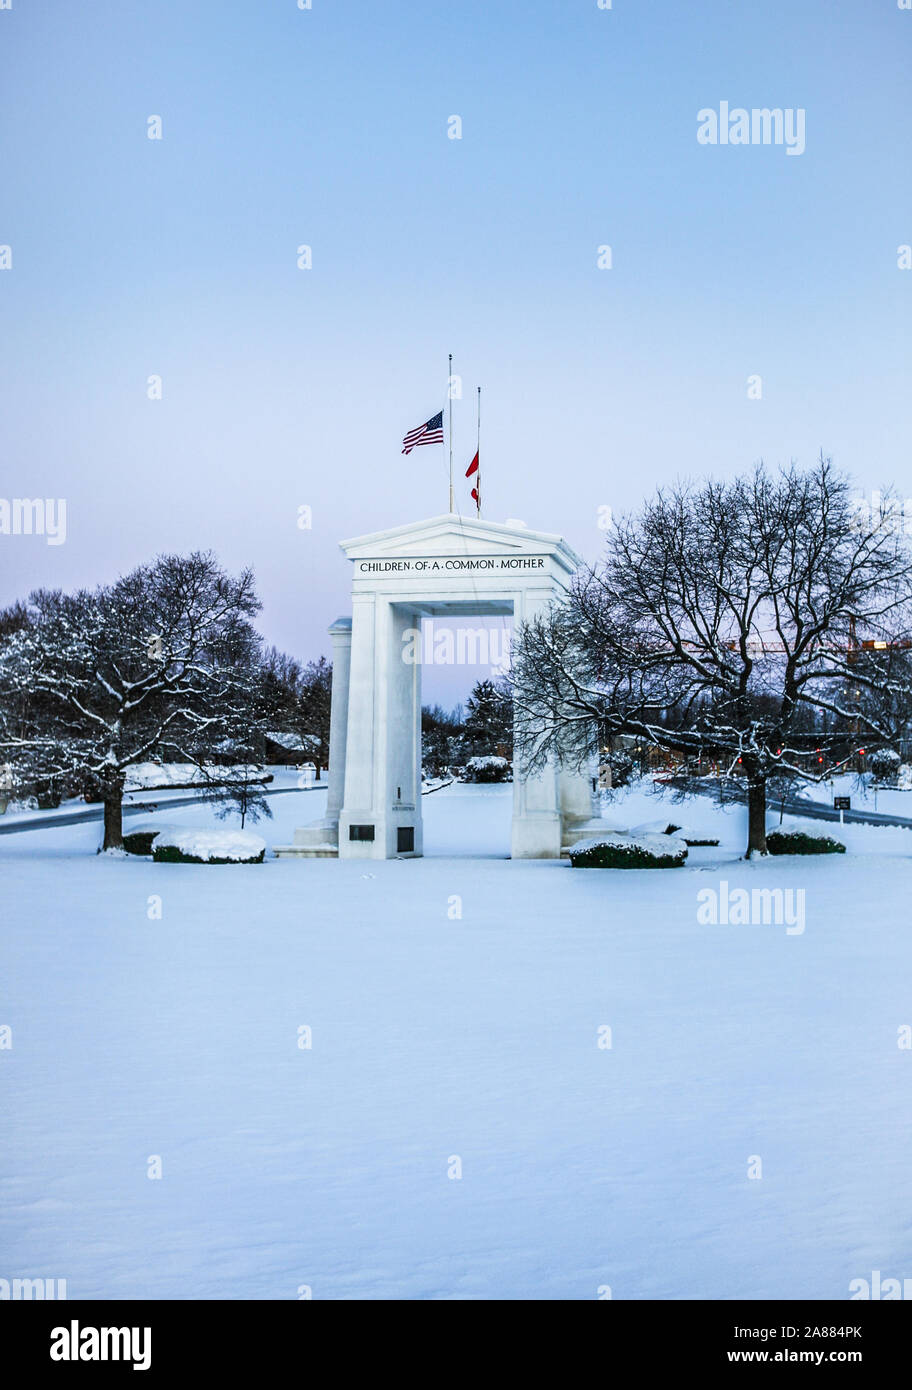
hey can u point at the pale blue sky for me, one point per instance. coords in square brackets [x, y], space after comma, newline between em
[284, 387]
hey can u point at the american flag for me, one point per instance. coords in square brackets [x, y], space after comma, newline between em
[431, 432]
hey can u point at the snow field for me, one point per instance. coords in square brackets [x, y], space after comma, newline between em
[456, 1006]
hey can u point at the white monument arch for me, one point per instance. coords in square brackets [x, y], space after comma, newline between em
[446, 567]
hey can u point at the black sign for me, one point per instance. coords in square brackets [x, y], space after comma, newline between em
[842, 803]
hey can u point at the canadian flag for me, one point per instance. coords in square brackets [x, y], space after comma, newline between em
[473, 468]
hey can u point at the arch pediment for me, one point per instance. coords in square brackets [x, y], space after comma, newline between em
[449, 535]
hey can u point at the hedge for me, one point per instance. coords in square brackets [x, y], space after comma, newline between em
[170, 854]
[614, 853]
[798, 842]
[140, 841]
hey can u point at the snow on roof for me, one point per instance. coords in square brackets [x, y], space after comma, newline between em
[139, 775]
[147, 776]
[293, 742]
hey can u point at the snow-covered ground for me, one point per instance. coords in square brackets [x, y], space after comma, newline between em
[437, 1035]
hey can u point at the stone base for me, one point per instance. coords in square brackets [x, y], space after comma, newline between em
[536, 836]
[319, 840]
[581, 830]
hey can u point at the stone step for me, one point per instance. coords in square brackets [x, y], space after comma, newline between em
[582, 830]
[306, 851]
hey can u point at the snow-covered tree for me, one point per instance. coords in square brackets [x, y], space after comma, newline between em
[488, 719]
[885, 764]
[300, 697]
[622, 766]
[166, 657]
[487, 768]
[440, 738]
[720, 613]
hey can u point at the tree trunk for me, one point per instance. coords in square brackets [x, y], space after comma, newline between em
[113, 815]
[756, 816]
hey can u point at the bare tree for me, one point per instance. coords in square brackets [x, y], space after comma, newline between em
[719, 615]
[13, 619]
[98, 680]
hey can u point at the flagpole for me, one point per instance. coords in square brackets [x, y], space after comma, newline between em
[478, 455]
[450, 412]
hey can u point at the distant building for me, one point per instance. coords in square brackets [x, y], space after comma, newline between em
[290, 750]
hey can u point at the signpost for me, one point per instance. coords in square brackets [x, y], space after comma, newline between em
[842, 804]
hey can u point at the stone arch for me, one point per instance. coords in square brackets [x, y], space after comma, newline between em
[445, 566]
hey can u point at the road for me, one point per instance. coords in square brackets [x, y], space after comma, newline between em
[143, 808]
[147, 808]
[813, 810]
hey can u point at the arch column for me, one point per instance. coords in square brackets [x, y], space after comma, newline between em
[381, 814]
[536, 829]
[341, 636]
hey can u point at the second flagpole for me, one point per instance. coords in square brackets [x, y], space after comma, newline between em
[478, 458]
[450, 410]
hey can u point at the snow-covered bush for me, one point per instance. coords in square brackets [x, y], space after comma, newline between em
[884, 764]
[138, 839]
[487, 769]
[798, 842]
[208, 847]
[664, 827]
[620, 850]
